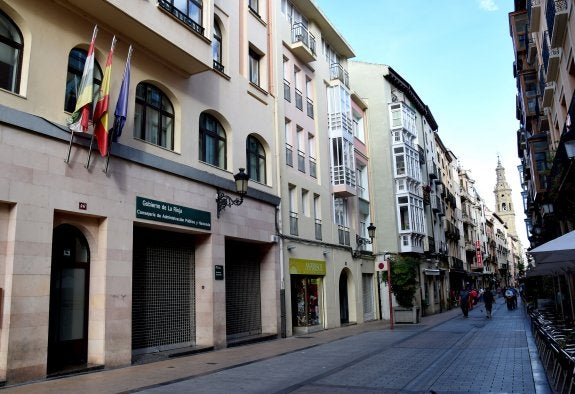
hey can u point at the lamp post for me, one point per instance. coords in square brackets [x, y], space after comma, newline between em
[389, 291]
[223, 200]
[364, 241]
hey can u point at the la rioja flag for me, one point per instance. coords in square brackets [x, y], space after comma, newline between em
[80, 119]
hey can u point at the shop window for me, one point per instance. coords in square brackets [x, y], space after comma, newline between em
[305, 301]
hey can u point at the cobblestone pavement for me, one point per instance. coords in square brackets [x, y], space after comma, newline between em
[445, 354]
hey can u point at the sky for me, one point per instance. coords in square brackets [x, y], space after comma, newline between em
[458, 56]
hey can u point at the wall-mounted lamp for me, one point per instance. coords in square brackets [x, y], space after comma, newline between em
[223, 200]
[364, 241]
[290, 247]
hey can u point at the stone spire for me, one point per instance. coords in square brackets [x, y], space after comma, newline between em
[503, 202]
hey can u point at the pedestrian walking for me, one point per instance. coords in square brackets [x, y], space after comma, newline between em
[464, 301]
[488, 301]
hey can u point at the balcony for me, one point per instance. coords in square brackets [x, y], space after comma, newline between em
[548, 94]
[337, 72]
[534, 8]
[155, 27]
[456, 264]
[553, 65]
[343, 181]
[432, 170]
[559, 26]
[435, 203]
[302, 43]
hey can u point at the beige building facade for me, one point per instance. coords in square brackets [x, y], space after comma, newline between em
[328, 272]
[108, 268]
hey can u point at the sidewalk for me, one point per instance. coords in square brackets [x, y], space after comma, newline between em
[138, 376]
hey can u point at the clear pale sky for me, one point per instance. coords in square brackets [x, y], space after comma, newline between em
[458, 56]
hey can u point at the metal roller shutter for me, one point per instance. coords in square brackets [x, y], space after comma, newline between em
[163, 305]
[243, 294]
[367, 282]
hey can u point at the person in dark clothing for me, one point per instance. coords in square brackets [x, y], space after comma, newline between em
[488, 301]
[464, 301]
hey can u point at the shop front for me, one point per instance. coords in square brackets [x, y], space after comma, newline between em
[306, 278]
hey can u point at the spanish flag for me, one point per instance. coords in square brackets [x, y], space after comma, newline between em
[101, 110]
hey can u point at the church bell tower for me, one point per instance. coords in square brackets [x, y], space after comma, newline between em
[503, 201]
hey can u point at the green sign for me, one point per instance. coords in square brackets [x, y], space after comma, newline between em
[170, 213]
[306, 267]
[219, 272]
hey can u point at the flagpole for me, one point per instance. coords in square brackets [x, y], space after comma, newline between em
[89, 152]
[80, 117]
[108, 155]
[119, 115]
[67, 160]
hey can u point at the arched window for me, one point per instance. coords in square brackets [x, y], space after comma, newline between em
[217, 48]
[76, 61]
[256, 159]
[154, 119]
[11, 46]
[212, 141]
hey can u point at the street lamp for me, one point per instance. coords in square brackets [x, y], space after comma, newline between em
[364, 241]
[223, 200]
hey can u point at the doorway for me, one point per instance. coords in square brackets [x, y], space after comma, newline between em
[69, 289]
[343, 299]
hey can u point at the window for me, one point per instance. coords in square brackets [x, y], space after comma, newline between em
[256, 160]
[217, 48]
[187, 11]
[154, 119]
[399, 161]
[254, 6]
[317, 216]
[254, 67]
[289, 147]
[293, 215]
[358, 131]
[309, 92]
[212, 141]
[312, 161]
[297, 84]
[305, 202]
[76, 61]
[300, 149]
[341, 219]
[11, 45]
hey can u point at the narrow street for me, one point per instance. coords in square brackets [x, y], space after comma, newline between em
[474, 355]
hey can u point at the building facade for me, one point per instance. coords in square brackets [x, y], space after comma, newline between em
[328, 270]
[105, 268]
[543, 36]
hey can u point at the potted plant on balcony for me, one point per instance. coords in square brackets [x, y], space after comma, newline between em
[404, 286]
